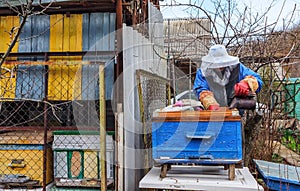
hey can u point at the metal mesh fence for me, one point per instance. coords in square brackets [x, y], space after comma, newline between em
[153, 94]
[49, 125]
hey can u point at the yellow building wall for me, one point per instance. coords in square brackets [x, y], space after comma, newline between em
[7, 24]
[64, 82]
[66, 35]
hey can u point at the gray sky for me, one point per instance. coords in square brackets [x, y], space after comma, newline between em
[256, 6]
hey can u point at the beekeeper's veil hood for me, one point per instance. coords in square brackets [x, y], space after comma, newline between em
[218, 57]
[217, 79]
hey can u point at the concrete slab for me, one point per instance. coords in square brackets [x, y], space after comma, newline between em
[210, 178]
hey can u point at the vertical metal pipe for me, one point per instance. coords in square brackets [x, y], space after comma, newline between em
[134, 14]
[119, 65]
[102, 114]
[118, 93]
[45, 146]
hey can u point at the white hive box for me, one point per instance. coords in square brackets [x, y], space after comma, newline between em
[77, 158]
[209, 178]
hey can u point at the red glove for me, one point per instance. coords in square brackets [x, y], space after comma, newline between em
[241, 89]
[213, 107]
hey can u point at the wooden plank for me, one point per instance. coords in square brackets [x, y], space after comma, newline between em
[24, 138]
[35, 33]
[112, 31]
[66, 35]
[24, 37]
[231, 172]
[78, 45]
[54, 88]
[221, 115]
[93, 31]
[99, 27]
[44, 37]
[102, 108]
[105, 38]
[56, 34]
[85, 31]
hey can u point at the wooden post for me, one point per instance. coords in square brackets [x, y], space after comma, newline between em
[102, 110]
[231, 171]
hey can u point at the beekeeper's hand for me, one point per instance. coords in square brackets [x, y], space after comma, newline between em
[208, 100]
[241, 89]
[214, 107]
[249, 83]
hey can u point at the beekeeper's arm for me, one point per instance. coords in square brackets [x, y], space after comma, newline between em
[205, 96]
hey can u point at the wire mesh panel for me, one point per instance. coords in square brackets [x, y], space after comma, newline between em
[50, 124]
[76, 158]
[153, 94]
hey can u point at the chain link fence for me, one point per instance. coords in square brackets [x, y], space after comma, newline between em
[49, 125]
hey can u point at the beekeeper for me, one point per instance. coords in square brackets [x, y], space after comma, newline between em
[222, 77]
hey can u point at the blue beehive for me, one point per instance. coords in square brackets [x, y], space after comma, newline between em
[279, 176]
[197, 137]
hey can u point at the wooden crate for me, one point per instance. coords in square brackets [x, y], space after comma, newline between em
[197, 137]
[21, 154]
[77, 158]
